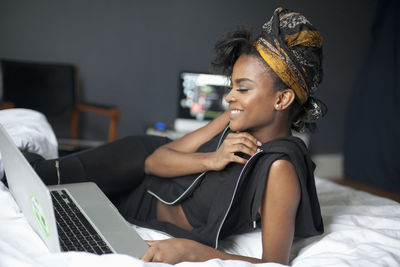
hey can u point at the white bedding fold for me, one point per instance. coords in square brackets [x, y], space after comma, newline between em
[30, 131]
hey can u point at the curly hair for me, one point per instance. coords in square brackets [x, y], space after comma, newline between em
[231, 46]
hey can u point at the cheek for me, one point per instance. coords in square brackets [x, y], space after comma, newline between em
[262, 104]
[262, 111]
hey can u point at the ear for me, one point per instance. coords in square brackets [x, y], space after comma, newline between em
[285, 99]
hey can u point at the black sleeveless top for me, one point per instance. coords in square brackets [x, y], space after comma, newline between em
[221, 203]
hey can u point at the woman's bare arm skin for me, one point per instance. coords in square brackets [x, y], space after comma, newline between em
[278, 213]
[180, 158]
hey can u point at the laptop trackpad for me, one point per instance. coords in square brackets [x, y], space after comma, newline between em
[121, 236]
[105, 217]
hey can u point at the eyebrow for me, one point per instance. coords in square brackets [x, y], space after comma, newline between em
[243, 80]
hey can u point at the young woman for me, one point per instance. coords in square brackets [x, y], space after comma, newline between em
[241, 170]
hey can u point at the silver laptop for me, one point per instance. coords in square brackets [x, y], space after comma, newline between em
[105, 230]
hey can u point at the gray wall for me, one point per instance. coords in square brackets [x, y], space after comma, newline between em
[130, 52]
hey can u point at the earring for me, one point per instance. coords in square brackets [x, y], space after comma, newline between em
[277, 106]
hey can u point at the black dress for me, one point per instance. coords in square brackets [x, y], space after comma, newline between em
[219, 204]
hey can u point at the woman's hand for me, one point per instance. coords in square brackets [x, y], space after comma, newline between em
[180, 158]
[234, 144]
[176, 250]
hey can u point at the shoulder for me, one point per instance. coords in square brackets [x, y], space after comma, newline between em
[286, 144]
[294, 152]
[282, 179]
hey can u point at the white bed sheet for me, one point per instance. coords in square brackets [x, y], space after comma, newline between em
[360, 230]
[30, 131]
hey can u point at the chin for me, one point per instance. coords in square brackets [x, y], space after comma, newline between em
[236, 128]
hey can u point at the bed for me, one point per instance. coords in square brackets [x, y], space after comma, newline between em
[30, 131]
[360, 229]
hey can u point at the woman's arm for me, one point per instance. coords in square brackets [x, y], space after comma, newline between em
[177, 250]
[180, 158]
[278, 213]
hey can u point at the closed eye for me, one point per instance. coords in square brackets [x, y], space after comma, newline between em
[242, 89]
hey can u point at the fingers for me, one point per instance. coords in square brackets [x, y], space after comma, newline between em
[247, 136]
[169, 251]
[151, 242]
[238, 159]
[151, 251]
[231, 148]
[244, 138]
[149, 255]
[244, 149]
[243, 142]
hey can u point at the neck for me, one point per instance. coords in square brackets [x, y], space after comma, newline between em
[266, 137]
[267, 134]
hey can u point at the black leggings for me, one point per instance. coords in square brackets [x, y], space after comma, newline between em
[116, 167]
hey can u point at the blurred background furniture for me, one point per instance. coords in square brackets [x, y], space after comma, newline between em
[54, 90]
[6, 105]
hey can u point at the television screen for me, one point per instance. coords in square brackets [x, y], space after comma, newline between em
[202, 96]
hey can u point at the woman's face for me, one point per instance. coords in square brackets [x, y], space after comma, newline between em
[252, 98]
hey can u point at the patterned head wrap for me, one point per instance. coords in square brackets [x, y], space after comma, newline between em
[292, 47]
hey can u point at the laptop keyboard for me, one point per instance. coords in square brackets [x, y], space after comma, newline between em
[74, 230]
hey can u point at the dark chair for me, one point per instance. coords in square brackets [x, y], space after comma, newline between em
[54, 90]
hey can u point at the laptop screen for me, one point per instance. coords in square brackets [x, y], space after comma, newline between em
[202, 96]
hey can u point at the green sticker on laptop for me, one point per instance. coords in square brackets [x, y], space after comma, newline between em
[39, 215]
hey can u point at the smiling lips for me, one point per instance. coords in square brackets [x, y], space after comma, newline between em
[235, 112]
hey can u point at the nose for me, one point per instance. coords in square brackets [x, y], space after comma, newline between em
[230, 96]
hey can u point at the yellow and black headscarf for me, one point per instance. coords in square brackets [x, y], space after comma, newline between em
[292, 47]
